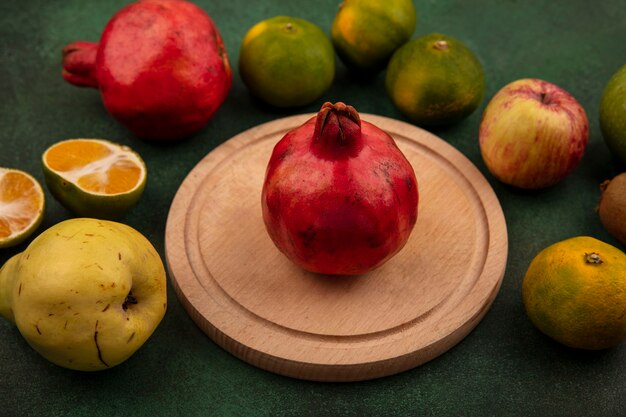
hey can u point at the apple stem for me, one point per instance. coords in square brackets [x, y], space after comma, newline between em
[546, 98]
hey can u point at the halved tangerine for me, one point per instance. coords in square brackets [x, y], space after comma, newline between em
[22, 205]
[94, 177]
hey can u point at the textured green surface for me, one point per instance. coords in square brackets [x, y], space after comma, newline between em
[504, 367]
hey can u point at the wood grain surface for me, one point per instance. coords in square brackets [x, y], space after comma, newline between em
[251, 300]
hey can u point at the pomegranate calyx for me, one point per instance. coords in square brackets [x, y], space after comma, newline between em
[337, 125]
[79, 63]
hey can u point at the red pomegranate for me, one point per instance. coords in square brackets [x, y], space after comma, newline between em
[160, 66]
[339, 196]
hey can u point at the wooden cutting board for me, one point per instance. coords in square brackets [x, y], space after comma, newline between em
[251, 300]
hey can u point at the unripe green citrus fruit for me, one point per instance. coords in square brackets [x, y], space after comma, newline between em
[613, 114]
[365, 33]
[435, 80]
[286, 61]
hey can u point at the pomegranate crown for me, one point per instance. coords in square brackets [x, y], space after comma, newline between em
[337, 124]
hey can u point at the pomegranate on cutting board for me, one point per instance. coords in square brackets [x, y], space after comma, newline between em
[252, 300]
[339, 196]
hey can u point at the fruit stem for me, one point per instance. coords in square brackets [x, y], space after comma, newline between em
[593, 258]
[130, 299]
[337, 125]
[441, 45]
[8, 275]
[79, 63]
[604, 185]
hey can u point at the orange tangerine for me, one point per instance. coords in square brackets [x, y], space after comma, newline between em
[575, 292]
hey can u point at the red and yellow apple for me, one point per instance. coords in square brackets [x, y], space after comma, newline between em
[533, 134]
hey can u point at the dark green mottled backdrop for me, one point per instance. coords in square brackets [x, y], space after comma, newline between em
[504, 367]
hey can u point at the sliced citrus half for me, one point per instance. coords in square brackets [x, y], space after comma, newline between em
[21, 206]
[94, 177]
